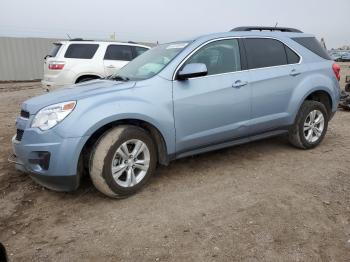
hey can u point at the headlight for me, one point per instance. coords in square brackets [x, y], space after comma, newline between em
[50, 116]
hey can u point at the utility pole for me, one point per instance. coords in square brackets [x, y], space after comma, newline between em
[112, 36]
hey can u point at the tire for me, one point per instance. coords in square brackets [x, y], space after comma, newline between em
[106, 155]
[347, 87]
[298, 136]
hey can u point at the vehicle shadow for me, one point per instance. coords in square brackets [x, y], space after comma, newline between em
[183, 167]
[198, 165]
[193, 166]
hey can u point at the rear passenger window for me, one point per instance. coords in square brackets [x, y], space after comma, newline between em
[119, 52]
[81, 51]
[292, 57]
[313, 45]
[221, 56]
[139, 50]
[263, 52]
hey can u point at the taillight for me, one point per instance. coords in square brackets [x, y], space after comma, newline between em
[56, 66]
[336, 70]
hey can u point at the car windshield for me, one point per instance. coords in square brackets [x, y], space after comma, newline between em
[149, 63]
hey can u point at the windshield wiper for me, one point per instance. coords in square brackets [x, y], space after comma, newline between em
[118, 78]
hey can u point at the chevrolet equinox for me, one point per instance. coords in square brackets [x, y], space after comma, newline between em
[177, 100]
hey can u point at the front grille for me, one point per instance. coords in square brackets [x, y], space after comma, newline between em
[25, 114]
[19, 134]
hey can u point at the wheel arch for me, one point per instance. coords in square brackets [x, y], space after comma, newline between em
[156, 135]
[85, 75]
[320, 94]
[323, 97]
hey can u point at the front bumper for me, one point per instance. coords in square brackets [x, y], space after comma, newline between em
[59, 171]
[57, 183]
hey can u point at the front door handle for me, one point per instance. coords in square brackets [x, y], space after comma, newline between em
[294, 72]
[239, 84]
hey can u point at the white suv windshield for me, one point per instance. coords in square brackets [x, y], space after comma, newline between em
[151, 62]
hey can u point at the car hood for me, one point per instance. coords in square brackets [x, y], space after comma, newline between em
[75, 92]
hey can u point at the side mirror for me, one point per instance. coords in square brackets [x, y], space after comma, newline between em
[192, 70]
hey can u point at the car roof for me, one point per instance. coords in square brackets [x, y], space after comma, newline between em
[272, 34]
[268, 34]
[101, 42]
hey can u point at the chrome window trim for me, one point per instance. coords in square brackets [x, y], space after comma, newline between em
[233, 37]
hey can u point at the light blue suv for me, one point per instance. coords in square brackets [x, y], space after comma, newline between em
[178, 100]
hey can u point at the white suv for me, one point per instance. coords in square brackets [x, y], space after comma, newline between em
[76, 61]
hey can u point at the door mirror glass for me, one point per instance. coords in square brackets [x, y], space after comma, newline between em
[192, 70]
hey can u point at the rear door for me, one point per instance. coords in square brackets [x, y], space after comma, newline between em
[274, 72]
[116, 57]
[215, 108]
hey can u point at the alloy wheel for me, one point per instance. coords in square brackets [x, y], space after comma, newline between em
[314, 126]
[130, 163]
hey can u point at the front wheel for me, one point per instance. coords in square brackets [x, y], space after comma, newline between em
[310, 125]
[122, 161]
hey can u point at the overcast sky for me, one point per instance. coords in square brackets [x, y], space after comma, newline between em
[170, 20]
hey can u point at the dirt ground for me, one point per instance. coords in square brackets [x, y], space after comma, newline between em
[264, 201]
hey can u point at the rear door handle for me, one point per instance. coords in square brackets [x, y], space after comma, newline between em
[239, 84]
[111, 66]
[294, 72]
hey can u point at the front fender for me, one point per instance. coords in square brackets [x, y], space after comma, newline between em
[92, 114]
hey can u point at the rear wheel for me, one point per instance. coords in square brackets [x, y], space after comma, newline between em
[310, 125]
[122, 161]
[347, 87]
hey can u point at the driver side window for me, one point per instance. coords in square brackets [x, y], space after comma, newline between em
[221, 56]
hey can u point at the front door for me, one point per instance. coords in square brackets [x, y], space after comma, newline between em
[215, 108]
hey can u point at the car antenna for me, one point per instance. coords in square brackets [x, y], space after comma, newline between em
[69, 36]
[276, 24]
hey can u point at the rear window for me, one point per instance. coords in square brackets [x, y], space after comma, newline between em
[264, 52]
[54, 50]
[81, 51]
[118, 52]
[313, 45]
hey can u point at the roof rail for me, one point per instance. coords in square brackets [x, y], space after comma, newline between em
[79, 39]
[266, 28]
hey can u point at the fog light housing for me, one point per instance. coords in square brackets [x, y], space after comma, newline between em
[42, 159]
